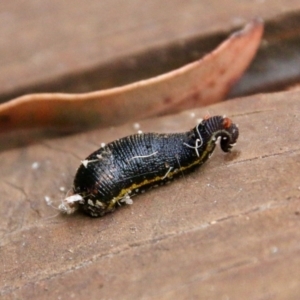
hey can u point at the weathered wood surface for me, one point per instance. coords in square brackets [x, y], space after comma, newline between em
[203, 82]
[230, 229]
[75, 46]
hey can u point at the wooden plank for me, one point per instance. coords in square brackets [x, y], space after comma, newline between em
[277, 65]
[81, 46]
[229, 229]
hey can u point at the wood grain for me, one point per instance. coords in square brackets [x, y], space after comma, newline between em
[82, 46]
[227, 230]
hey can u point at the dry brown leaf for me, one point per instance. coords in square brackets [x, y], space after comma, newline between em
[199, 83]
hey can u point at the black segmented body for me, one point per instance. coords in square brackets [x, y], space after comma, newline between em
[130, 165]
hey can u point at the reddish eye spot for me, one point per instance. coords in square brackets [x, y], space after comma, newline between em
[227, 123]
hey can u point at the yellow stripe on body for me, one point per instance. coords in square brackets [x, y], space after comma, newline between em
[124, 192]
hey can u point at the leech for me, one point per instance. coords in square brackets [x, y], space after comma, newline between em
[86, 161]
[65, 206]
[142, 156]
[127, 200]
[180, 168]
[167, 173]
[196, 147]
[99, 188]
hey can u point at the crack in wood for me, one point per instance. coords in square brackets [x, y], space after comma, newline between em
[292, 151]
[242, 114]
[26, 198]
[205, 276]
[124, 248]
